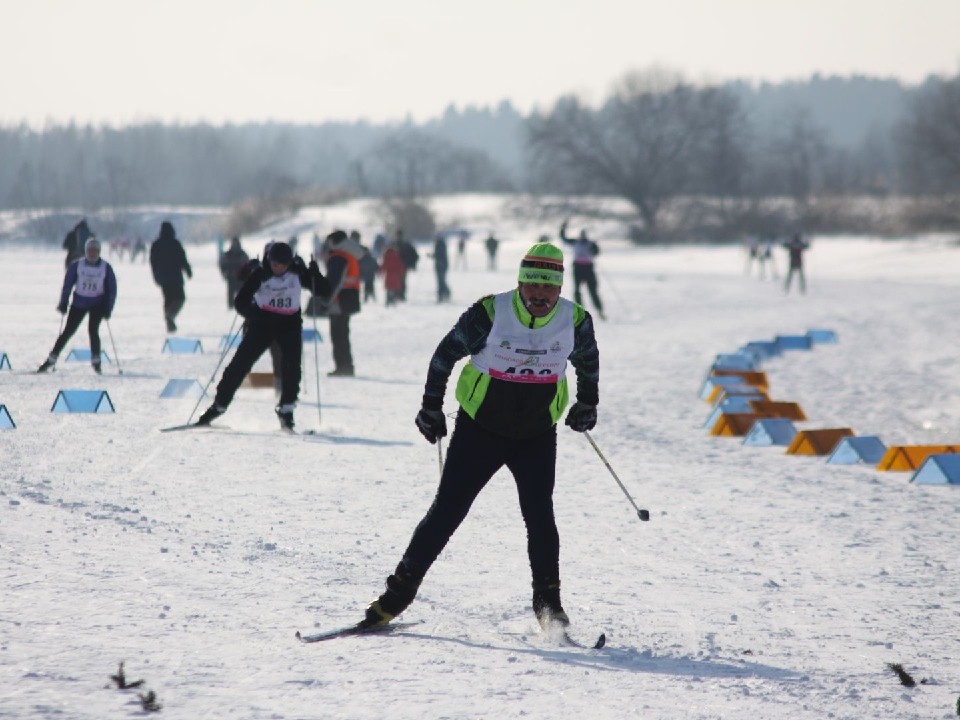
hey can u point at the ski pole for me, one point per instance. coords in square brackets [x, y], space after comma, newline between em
[316, 342]
[642, 514]
[114, 345]
[440, 454]
[231, 336]
[616, 293]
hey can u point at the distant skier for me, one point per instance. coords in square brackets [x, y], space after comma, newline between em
[584, 273]
[393, 271]
[231, 263]
[270, 302]
[492, 245]
[168, 261]
[75, 242]
[410, 257]
[441, 264]
[94, 288]
[796, 247]
[343, 274]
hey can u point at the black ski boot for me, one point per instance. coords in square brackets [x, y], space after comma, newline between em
[211, 414]
[97, 367]
[48, 364]
[546, 604]
[286, 419]
[401, 589]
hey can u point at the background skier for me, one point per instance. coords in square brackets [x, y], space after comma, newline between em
[94, 288]
[270, 302]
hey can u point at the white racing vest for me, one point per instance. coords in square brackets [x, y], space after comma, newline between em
[91, 279]
[516, 353]
[582, 253]
[280, 295]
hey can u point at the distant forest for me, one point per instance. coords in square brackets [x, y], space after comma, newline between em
[738, 143]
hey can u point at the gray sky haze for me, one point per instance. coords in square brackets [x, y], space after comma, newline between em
[303, 61]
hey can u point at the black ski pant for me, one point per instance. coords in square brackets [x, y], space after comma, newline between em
[173, 299]
[473, 457]
[288, 334]
[584, 274]
[74, 318]
[340, 342]
[443, 290]
[800, 279]
[233, 287]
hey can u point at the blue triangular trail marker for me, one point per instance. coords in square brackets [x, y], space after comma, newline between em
[867, 449]
[939, 470]
[794, 342]
[85, 354]
[4, 362]
[311, 335]
[761, 349]
[6, 422]
[82, 401]
[735, 361]
[770, 431]
[730, 404]
[715, 381]
[182, 346]
[181, 388]
[822, 336]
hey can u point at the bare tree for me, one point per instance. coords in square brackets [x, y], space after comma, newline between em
[931, 134]
[796, 160]
[411, 163]
[649, 143]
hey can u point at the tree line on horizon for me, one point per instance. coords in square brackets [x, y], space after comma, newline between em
[722, 158]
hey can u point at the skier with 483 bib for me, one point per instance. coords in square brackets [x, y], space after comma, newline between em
[511, 394]
[270, 302]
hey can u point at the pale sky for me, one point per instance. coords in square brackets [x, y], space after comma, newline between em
[308, 61]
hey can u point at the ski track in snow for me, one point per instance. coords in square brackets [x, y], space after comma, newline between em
[763, 586]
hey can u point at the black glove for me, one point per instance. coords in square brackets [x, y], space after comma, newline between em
[581, 417]
[247, 270]
[298, 264]
[106, 316]
[431, 424]
[62, 309]
[314, 268]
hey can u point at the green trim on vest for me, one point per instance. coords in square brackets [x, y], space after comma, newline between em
[489, 303]
[472, 384]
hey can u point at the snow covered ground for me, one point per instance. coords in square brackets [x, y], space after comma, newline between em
[764, 585]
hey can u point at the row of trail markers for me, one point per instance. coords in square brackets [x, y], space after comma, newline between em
[171, 346]
[99, 402]
[738, 390]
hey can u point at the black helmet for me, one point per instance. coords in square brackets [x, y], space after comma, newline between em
[281, 253]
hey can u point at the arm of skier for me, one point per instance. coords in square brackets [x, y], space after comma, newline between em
[468, 336]
[110, 292]
[585, 359]
[313, 280]
[69, 280]
[244, 302]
